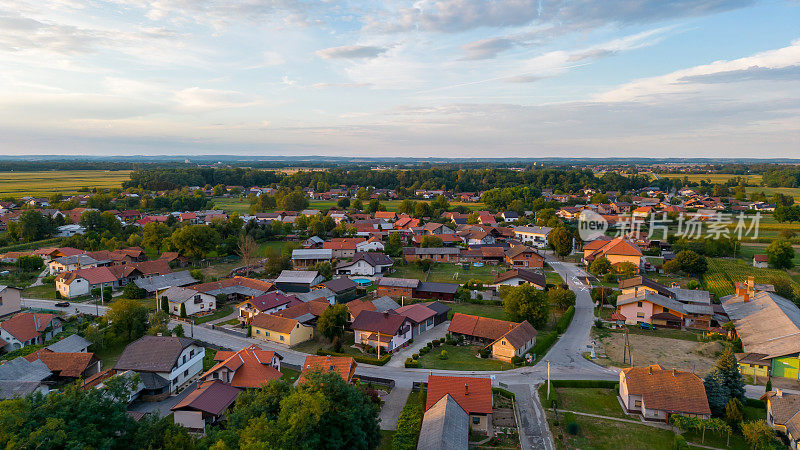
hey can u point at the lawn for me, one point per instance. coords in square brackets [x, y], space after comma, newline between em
[491, 311]
[770, 191]
[552, 277]
[218, 314]
[746, 252]
[722, 273]
[289, 374]
[45, 291]
[110, 354]
[460, 358]
[448, 273]
[276, 245]
[669, 333]
[386, 439]
[588, 400]
[43, 183]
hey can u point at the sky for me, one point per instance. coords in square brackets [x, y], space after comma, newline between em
[449, 78]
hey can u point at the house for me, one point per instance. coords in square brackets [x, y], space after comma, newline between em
[313, 242]
[28, 328]
[473, 395]
[69, 230]
[657, 393]
[649, 307]
[508, 339]
[433, 228]
[617, 251]
[248, 368]
[71, 344]
[367, 264]
[386, 331]
[283, 330]
[518, 277]
[267, 304]
[175, 259]
[487, 254]
[9, 300]
[380, 304]
[448, 240]
[413, 288]
[754, 364]
[535, 236]
[67, 366]
[316, 294]
[696, 303]
[343, 247]
[193, 301]
[308, 257]
[524, 256]
[205, 405]
[49, 254]
[474, 236]
[164, 364]
[153, 284]
[761, 261]
[436, 291]
[783, 414]
[509, 216]
[74, 262]
[80, 282]
[298, 280]
[236, 288]
[768, 325]
[424, 316]
[344, 289]
[305, 312]
[345, 366]
[20, 376]
[445, 426]
[438, 254]
[373, 244]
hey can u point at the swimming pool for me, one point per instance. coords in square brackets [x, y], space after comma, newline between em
[362, 281]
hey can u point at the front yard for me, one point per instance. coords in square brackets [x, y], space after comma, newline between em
[460, 358]
[474, 309]
[446, 273]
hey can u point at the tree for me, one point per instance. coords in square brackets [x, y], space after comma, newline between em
[780, 254]
[733, 411]
[422, 209]
[165, 304]
[29, 263]
[293, 201]
[561, 241]
[599, 198]
[626, 269]
[343, 203]
[717, 393]
[247, 249]
[178, 330]
[154, 234]
[183, 310]
[194, 241]
[783, 287]
[375, 206]
[525, 303]
[431, 241]
[128, 319]
[600, 266]
[158, 321]
[561, 298]
[31, 226]
[728, 367]
[325, 269]
[331, 323]
[691, 262]
[133, 291]
[758, 433]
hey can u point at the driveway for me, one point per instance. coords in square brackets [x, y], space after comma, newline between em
[437, 332]
[163, 407]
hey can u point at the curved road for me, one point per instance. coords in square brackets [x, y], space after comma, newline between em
[566, 360]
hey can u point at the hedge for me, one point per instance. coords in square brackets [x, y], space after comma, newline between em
[411, 363]
[606, 384]
[359, 358]
[754, 403]
[504, 393]
[409, 423]
[544, 342]
[565, 320]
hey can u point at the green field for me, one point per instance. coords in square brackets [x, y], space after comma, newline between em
[769, 191]
[714, 177]
[722, 273]
[18, 184]
[460, 358]
[445, 273]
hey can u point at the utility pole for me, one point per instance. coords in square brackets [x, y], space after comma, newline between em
[626, 352]
[548, 378]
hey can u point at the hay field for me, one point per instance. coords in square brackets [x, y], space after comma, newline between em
[44, 183]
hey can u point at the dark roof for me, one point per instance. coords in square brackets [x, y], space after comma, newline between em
[212, 397]
[442, 288]
[383, 322]
[371, 258]
[440, 308]
[340, 285]
[152, 353]
[272, 300]
[531, 276]
[153, 381]
[643, 281]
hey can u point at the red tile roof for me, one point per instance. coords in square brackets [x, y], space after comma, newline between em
[63, 364]
[277, 324]
[345, 366]
[474, 395]
[212, 397]
[667, 390]
[26, 326]
[252, 366]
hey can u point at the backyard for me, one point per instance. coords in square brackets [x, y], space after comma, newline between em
[461, 357]
[448, 273]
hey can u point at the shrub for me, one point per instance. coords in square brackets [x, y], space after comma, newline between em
[359, 358]
[769, 384]
[424, 350]
[516, 360]
[572, 428]
[485, 353]
[610, 278]
[606, 384]
[680, 442]
[544, 342]
[443, 355]
[503, 392]
[598, 323]
[408, 425]
[411, 363]
[565, 320]
[58, 295]
[415, 356]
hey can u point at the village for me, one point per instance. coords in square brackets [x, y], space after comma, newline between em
[486, 319]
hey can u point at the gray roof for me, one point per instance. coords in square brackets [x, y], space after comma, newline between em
[70, 344]
[317, 293]
[158, 282]
[15, 389]
[19, 369]
[691, 295]
[533, 230]
[178, 294]
[385, 304]
[153, 381]
[767, 323]
[152, 354]
[312, 253]
[444, 288]
[398, 282]
[77, 259]
[444, 426]
[297, 276]
[652, 297]
[431, 250]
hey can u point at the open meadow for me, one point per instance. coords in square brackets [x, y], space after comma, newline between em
[242, 206]
[714, 177]
[44, 183]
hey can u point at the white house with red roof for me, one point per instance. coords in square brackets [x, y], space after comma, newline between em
[28, 329]
[248, 368]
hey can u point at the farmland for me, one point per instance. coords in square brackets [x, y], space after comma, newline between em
[44, 183]
[714, 177]
[722, 273]
[242, 206]
[770, 191]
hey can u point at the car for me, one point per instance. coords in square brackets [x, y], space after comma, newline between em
[646, 326]
[62, 304]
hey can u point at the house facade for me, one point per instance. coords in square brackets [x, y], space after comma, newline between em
[278, 329]
[9, 300]
[164, 364]
[657, 393]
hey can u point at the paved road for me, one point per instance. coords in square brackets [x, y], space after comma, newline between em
[534, 432]
[84, 308]
[394, 405]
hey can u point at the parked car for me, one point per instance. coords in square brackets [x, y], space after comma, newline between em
[62, 304]
[646, 326]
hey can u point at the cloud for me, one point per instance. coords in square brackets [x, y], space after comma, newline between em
[754, 73]
[196, 99]
[351, 52]
[452, 16]
[486, 48]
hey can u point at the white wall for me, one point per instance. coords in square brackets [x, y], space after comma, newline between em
[190, 419]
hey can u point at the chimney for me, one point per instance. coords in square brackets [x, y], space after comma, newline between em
[674, 373]
[779, 393]
[466, 388]
[649, 370]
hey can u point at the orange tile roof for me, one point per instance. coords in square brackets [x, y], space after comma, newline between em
[252, 366]
[235, 281]
[482, 327]
[274, 323]
[345, 366]
[474, 395]
[356, 306]
[313, 307]
[667, 390]
[64, 364]
[343, 243]
[26, 326]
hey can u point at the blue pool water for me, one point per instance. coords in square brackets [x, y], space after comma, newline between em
[362, 281]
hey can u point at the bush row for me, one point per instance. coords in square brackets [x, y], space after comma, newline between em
[565, 320]
[544, 342]
[412, 363]
[359, 358]
[503, 392]
[409, 424]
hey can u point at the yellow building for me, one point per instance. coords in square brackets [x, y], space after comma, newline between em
[280, 329]
[617, 251]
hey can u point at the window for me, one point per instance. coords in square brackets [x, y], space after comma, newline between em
[186, 373]
[281, 337]
[640, 315]
[191, 354]
[637, 403]
[476, 420]
[258, 331]
[639, 304]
